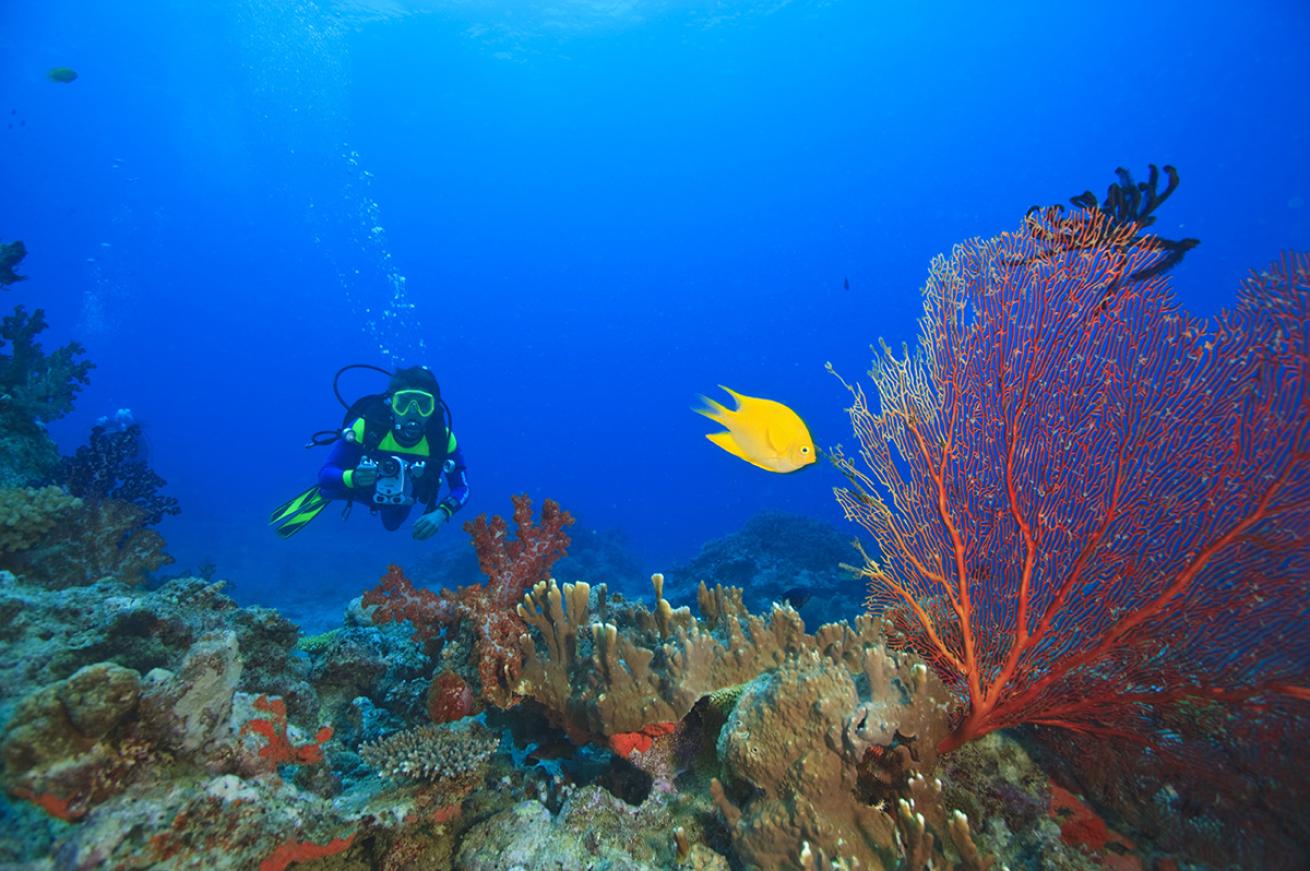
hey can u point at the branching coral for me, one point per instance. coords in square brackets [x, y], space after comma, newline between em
[450, 754]
[825, 734]
[617, 676]
[1088, 502]
[513, 565]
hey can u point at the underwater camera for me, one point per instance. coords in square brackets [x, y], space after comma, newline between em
[395, 484]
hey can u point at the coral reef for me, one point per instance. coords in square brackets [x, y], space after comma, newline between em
[600, 684]
[1187, 804]
[99, 529]
[1150, 557]
[175, 730]
[47, 635]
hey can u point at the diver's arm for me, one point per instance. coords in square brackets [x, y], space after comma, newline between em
[457, 483]
[335, 475]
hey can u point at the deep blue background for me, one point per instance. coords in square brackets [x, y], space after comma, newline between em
[596, 215]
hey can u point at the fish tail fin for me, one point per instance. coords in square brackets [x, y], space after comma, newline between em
[715, 411]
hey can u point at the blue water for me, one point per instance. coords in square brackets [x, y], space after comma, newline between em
[580, 217]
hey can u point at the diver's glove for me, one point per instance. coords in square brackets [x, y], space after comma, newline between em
[427, 525]
[364, 475]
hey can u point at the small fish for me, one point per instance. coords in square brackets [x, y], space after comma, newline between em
[63, 75]
[762, 432]
[846, 283]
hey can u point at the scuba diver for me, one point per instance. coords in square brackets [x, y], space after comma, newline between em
[391, 453]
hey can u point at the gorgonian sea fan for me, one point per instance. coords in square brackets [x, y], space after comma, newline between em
[1087, 501]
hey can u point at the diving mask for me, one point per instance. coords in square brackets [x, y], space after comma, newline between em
[418, 402]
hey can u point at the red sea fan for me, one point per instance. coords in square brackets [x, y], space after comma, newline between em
[1087, 501]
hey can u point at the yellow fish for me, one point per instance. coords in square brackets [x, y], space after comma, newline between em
[762, 432]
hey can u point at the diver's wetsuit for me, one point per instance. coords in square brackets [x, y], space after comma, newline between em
[333, 481]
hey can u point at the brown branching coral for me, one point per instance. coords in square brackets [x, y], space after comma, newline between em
[826, 734]
[599, 681]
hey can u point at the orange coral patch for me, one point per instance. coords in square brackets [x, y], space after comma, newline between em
[303, 851]
[624, 743]
[1082, 827]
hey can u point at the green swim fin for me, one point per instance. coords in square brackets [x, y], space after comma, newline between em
[291, 516]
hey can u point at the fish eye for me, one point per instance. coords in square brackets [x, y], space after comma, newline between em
[805, 450]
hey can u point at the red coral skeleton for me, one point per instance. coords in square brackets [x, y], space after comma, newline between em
[511, 565]
[1089, 503]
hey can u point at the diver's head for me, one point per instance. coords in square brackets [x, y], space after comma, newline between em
[412, 395]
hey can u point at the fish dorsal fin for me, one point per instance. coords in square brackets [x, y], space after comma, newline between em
[742, 399]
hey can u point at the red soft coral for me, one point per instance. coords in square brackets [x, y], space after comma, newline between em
[511, 566]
